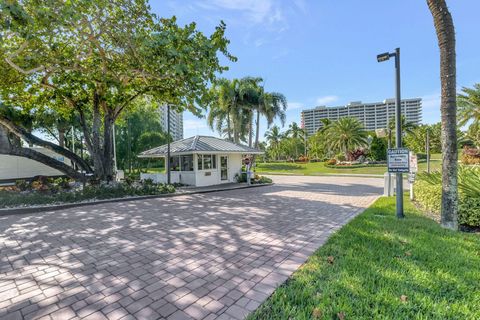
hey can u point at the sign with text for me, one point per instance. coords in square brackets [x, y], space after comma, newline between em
[413, 162]
[398, 160]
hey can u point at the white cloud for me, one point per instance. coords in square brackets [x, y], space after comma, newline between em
[295, 105]
[322, 101]
[193, 124]
[257, 11]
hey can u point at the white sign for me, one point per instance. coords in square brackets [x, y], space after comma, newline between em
[413, 162]
[398, 160]
[411, 178]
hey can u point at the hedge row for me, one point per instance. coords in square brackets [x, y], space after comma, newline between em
[429, 196]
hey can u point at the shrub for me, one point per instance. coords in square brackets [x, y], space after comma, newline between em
[303, 158]
[356, 155]
[428, 192]
[340, 157]
[263, 179]
[470, 156]
[421, 156]
[41, 196]
[428, 195]
[22, 185]
[378, 149]
[331, 162]
[469, 211]
[242, 177]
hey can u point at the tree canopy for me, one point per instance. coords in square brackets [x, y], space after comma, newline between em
[92, 58]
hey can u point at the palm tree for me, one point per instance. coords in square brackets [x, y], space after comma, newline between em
[249, 98]
[295, 132]
[445, 30]
[469, 105]
[407, 128]
[225, 96]
[325, 124]
[346, 134]
[274, 138]
[272, 105]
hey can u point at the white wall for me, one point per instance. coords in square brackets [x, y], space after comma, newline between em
[184, 177]
[212, 176]
[234, 166]
[13, 167]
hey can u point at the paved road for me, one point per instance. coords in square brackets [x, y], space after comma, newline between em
[204, 256]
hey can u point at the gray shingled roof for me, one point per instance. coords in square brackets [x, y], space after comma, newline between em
[199, 144]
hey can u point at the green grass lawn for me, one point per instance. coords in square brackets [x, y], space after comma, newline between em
[383, 268]
[319, 168]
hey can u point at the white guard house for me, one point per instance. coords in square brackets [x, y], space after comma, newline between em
[200, 161]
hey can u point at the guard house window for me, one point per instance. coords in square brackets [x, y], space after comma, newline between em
[199, 162]
[187, 163]
[207, 161]
[175, 163]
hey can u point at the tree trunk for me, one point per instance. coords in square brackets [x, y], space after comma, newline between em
[24, 134]
[257, 132]
[108, 162]
[446, 41]
[7, 148]
[61, 138]
[250, 131]
[229, 132]
[96, 146]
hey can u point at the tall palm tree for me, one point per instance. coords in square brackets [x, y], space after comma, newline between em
[274, 138]
[346, 134]
[445, 30]
[295, 132]
[250, 96]
[225, 96]
[469, 105]
[272, 105]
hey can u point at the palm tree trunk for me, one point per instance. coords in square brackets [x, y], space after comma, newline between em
[445, 30]
[257, 132]
[229, 130]
[250, 131]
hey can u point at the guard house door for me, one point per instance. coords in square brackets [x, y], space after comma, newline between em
[223, 168]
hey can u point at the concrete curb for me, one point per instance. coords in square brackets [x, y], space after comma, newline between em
[25, 210]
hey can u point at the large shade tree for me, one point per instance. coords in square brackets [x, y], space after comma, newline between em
[445, 31]
[92, 59]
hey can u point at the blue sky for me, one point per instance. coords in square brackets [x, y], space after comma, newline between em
[323, 52]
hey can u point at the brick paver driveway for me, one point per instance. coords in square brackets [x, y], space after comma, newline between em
[204, 256]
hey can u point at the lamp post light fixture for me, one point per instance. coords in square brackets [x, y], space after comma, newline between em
[398, 122]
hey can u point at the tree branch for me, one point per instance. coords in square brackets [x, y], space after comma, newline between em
[22, 133]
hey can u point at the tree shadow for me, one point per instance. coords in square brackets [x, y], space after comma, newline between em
[150, 258]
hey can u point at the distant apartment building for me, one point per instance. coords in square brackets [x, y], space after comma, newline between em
[375, 115]
[176, 122]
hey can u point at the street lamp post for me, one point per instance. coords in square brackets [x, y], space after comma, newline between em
[398, 123]
[167, 161]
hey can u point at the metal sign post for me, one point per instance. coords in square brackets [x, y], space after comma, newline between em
[398, 162]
